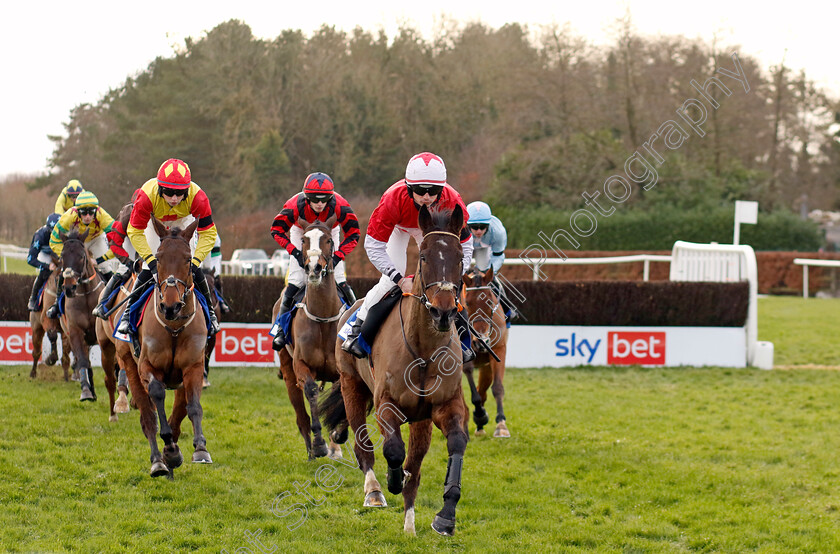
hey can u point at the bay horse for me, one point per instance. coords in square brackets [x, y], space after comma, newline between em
[310, 356]
[488, 320]
[81, 281]
[414, 375]
[173, 338]
[42, 325]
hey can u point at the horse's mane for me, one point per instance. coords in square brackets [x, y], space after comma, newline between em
[440, 218]
[73, 234]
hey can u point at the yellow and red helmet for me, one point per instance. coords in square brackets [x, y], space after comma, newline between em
[174, 174]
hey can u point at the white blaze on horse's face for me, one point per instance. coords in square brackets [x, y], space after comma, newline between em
[314, 251]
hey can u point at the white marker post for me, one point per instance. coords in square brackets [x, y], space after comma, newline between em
[746, 211]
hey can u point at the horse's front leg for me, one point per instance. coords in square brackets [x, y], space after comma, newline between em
[52, 357]
[390, 418]
[157, 393]
[80, 351]
[498, 388]
[147, 414]
[193, 378]
[419, 439]
[449, 418]
[356, 396]
[310, 390]
[37, 341]
[480, 416]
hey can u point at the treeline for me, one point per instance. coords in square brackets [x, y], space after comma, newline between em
[522, 119]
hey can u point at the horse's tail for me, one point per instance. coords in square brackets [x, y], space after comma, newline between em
[332, 409]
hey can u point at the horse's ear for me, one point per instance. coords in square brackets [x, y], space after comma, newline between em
[488, 275]
[160, 229]
[62, 236]
[456, 221]
[188, 232]
[424, 219]
[84, 235]
[302, 223]
[330, 223]
[467, 278]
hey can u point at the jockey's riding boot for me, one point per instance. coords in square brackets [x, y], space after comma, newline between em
[351, 344]
[288, 299]
[114, 282]
[469, 355]
[346, 293]
[223, 305]
[43, 275]
[201, 285]
[52, 313]
[143, 277]
[464, 334]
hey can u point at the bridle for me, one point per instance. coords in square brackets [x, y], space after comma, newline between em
[70, 273]
[480, 314]
[179, 284]
[443, 286]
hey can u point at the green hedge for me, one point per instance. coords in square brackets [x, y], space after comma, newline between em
[638, 230]
[660, 303]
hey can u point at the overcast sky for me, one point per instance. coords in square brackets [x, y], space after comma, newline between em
[57, 55]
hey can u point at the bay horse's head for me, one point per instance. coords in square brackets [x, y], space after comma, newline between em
[74, 259]
[175, 281]
[317, 245]
[482, 302]
[440, 264]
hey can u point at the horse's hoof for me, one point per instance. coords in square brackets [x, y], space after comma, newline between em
[121, 405]
[159, 469]
[205, 383]
[87, 396]
[32, 374]
[173, 456]
[51, 359]
[201, 457]
[113, 418]
[480, 433]
[375, 499]
[501, 431]
[319, 448]
[443, 526]
[334, 453]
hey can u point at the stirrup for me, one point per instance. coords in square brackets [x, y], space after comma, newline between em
[352, 346]
[279, 340]
[469, 355]
[124, 327]
[33, 305]
[52, 312]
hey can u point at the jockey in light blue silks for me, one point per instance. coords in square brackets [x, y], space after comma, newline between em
[489, 243]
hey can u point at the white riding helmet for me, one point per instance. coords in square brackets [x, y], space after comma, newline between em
[425, 169]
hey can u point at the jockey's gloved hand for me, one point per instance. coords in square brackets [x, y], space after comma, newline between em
[298, 255]
[336, 259]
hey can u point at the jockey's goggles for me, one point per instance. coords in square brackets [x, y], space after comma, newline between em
[421, 190]
[86, 211]
[478, 226]
[317, 198]
[165, 191]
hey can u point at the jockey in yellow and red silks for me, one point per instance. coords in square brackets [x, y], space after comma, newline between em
[175, 201]
[87, 216]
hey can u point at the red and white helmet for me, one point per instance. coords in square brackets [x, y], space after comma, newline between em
[425, 169]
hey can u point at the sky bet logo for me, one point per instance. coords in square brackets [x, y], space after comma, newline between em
[574, 347]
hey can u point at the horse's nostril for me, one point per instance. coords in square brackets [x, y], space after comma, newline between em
[435, 312]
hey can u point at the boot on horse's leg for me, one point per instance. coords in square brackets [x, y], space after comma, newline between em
[201, 285]
[346, 292]
[86, 381]
[288, 299]
[42, 277]
[116, 280]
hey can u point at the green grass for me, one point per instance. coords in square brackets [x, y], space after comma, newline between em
[633, 460]
[802, 330]
[14, 265]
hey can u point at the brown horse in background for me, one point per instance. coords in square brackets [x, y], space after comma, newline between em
[113, 349]
[81, 281]
[173, 338]
[414, 375]
[488, 320]
[41, 325]
[313, 332]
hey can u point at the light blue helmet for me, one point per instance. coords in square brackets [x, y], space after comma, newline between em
[479, 213]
